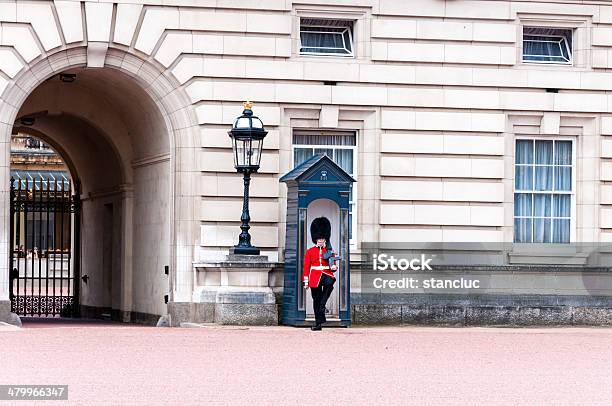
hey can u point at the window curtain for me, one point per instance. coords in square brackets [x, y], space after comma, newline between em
[563, 166]
[542, 166]
[344, 159]
[539, 50]
[524, 157]
[561, 226]
[546, 44]
[325, 36]
[300, 155]
[523, 225]
[304, 137]
[329, 42]
[543, 156]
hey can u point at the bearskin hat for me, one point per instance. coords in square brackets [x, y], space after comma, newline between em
[320, 228]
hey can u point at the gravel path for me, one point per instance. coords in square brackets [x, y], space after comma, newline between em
[119, 364]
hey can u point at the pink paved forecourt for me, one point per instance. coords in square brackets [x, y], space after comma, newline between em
[115, 364]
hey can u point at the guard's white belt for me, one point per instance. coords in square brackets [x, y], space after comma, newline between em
[319, 267]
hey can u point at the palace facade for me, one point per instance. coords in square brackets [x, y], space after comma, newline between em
[462, 121]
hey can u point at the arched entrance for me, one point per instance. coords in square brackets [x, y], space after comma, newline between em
[117, 126]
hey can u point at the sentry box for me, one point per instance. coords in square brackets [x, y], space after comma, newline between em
[317, 187]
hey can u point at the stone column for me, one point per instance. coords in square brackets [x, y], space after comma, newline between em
[126, 253]
[5, 240]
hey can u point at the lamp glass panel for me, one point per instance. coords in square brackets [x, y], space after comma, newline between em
[257, 123]
[247, 152]
[235, 147]
[248, 148]
[256, 156]
[240, 152]
[243, 122]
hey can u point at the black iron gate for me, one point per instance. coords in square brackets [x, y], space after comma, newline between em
[45, 241]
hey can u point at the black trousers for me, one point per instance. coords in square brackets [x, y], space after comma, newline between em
[320, 294]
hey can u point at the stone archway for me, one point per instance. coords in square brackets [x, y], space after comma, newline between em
[122, 125]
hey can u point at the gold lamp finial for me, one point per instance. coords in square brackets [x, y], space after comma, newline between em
[248, 105]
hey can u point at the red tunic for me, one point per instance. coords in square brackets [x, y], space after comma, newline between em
[314, 258]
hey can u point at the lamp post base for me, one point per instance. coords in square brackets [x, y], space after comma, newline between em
[237, 250]
[235, 291]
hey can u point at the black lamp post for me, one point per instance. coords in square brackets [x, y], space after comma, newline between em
[247, 136]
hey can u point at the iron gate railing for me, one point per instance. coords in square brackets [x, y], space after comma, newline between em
[45, 241]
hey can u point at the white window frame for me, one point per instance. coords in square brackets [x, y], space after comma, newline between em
[352, 203]
[572, 194]
[350, 27]
[563, 42]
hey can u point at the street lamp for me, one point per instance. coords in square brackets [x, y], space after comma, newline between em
[247, 136]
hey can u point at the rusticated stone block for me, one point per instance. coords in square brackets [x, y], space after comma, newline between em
[434, 315]
[489, 315]
[518, 316]
[203, 312]
[179, 312]
[592, 316]
[377, 314]
[243, 314]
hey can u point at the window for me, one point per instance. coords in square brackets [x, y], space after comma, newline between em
[340, 146]
[547, 45]
[326, 37]
[543, 189]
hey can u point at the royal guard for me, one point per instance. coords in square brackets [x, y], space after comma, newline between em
[318, 274]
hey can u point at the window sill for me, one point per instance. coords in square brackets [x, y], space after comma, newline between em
[570, 64]
[546, 254]
[547, 66]
[326, 56]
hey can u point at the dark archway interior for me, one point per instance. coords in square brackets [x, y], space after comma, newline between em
[116, 143]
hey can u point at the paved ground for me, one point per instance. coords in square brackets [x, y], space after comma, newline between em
[127, 365]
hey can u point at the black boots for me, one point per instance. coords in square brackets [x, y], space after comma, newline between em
[316, 327]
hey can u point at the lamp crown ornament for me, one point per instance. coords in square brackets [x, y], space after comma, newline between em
[248, 105]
